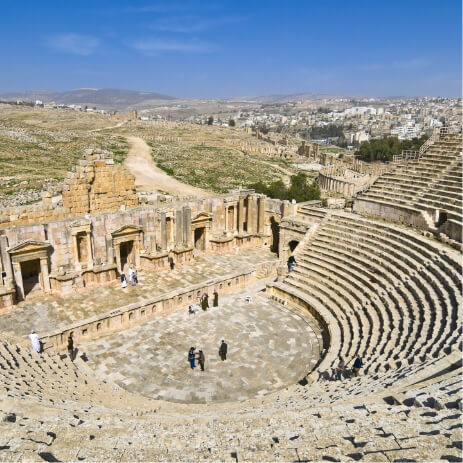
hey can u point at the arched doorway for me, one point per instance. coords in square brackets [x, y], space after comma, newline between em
[292, 245]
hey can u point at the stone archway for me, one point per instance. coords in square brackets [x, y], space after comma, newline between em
[292, 245]
[30, 267]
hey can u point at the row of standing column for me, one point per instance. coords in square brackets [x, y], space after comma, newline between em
[252, 214]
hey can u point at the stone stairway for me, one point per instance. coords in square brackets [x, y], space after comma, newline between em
[394, 295]
[433, 183]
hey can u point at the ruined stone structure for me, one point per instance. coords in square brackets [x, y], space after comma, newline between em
[382, 291]
[99, 231]
[309, 150]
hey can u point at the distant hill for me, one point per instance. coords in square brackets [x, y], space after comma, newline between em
[283, 98]
[108, 98]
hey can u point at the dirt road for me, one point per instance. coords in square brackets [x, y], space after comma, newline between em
[149, 177]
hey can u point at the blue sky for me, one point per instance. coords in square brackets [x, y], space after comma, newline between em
[233, 48]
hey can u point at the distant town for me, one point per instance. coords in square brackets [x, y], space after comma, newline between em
[345, 122]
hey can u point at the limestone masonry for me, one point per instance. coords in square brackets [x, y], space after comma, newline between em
[377, 276]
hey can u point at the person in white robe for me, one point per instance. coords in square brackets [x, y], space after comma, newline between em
[35, 341]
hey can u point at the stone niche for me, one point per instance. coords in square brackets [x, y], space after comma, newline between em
[81, 244]
[127, 245]
[30, 262]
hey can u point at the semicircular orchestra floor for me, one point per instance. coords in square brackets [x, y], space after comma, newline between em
[269, 347]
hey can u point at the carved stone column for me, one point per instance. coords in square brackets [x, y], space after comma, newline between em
[251, 218]
[5, 256]
[75, 250]
[240, 214]
[187, 227]
[163, 231]
[89, 250]
[178, 228]
[118, 257]
[226, 217]
[45, 275]
[136, 245]
[109, 249]
[261, 215]
[18, 278]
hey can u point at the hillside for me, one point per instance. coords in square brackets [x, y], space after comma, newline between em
[110, 98]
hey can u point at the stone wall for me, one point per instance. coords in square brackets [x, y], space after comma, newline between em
[94, 248]
[96, 184]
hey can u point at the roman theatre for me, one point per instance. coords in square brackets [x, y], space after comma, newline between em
[377, 276]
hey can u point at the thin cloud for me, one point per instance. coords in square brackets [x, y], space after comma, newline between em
[157, 8]
[76, 44]
[415, 63]
[371, 67]
[190, 24]
[150, 46]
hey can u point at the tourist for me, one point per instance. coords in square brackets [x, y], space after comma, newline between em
[130, 272]
[201, 359]
[357, 365]
[291, 262]
[191, 357]
[216, 298]
[134, 278]
[171, 263]
[123, 280]
[35, 341]
[205, 301]
[71, 347]
[191, 310]
[223, 350]
[340, 369]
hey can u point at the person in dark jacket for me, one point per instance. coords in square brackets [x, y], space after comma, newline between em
[223, 350]
[191, 357]
[215, 302]
[71, 347]
[205, 301]
[356, 367]
[201, 359]
[291, 262]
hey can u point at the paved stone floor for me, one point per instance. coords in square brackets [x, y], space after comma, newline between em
[47, 313]
[269, 347]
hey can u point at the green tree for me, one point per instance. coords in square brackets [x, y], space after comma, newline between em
[210, 120]
[277, 190]
[301, 190]
[383, 149]
[231, 123]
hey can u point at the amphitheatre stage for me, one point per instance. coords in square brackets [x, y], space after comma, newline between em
[377, 276]
[269, 347]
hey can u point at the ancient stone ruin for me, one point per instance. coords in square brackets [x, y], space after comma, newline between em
[370, 281]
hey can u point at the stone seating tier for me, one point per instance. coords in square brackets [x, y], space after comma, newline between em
[379, 279]
[434, 183]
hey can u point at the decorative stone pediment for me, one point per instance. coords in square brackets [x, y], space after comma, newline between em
[126, 230]
[29, 246]
[202, 217]
[80, 225]
[29, 250]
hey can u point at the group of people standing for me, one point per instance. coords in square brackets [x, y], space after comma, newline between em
[132, 276]
[199, 356]
[204, 300]
[340, 369]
